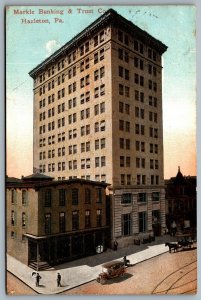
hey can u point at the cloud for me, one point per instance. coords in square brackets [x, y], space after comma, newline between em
[51, 46]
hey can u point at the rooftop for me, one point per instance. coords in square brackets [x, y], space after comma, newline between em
[40, 180]
[110, 16]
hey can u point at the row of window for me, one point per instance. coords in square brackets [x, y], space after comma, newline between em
[75, 220]
[139, 63]
[140, 163]
[84, 130]
[126, 222]
[62, 220]
[98, 177]
[73, 164]
[83, 49]
[100, 144]
[141, 197]
[85, 97]
[125, 90]
[138, 46]
[140, 146]
[141, 179]
[98, 56]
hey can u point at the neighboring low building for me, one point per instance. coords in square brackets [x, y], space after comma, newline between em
[181, 201]
[49, 222]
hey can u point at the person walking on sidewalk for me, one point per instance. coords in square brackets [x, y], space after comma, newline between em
[38, 277]
[115, 245]
[58, 279]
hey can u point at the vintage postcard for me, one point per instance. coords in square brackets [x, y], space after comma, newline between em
[101, 159]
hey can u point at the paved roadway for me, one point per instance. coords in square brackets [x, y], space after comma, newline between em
[174, 273]
[167, 273]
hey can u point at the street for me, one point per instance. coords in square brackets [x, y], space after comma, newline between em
[174, 273]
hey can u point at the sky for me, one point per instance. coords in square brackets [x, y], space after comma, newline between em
[27, 45]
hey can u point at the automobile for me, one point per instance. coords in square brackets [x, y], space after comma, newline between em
[111, 270]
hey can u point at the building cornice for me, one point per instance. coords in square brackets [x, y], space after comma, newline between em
[116, 20]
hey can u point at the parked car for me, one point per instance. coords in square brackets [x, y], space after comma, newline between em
[111, 270]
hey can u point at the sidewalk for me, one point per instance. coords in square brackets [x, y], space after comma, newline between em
[83, 270]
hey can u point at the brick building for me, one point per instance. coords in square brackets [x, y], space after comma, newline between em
[181, 204]
[98, 116]
[49, 222]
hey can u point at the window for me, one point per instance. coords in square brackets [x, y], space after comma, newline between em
[96, 144]
[122, 179]
[121, 143]
[142, 197]
[126, 224]
[103, 161]
[87, 196]
[62, 222]
[155, 196]
[121, 107]
[48, 198]
[13, 218]
[120, 36]
[128, 179]
[87, 219]
[13, 196]
[102, 143]
[99, 217]
[156, 164]
[128, 126]
[74, 196]
[97, 164]
[121, 125]
[121, 161]
[121, 71]
[127, 144]
[120, 53]
[155, 216]
[99, 195]
[75, 220]
[62, 197]
[128, 161]
[126, 198]
[23, 220]
[142, 221]
[121, 89]
[24, 197]
[48, 223]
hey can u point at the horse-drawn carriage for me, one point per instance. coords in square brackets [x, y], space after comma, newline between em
[183, 241]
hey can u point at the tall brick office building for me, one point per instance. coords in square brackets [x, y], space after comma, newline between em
[98, 116]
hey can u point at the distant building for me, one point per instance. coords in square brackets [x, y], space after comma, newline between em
[98, 116]
[181, 201]
[50, 222]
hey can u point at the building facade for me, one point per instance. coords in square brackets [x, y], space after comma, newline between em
[98, 116]
[181, 204]
[50, 222]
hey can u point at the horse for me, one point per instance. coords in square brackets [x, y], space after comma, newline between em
[173, 245]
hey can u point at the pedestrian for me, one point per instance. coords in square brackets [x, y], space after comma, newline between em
[38, 277]
[58, 279]
[115, 245]
[174, 228]
[126, 261]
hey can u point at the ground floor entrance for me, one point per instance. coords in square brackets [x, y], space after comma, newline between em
[53, 250]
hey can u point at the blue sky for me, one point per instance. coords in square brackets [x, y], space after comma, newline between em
[29, 44]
